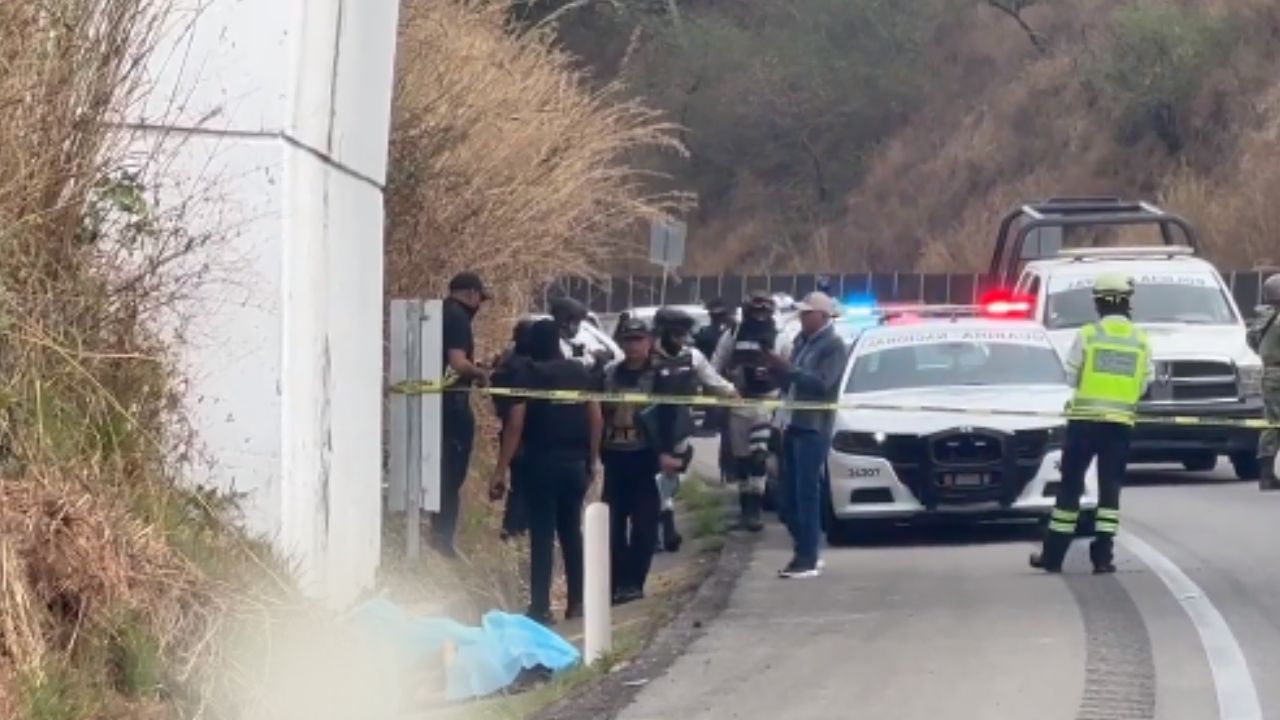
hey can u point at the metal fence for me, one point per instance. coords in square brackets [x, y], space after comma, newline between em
[616, 294]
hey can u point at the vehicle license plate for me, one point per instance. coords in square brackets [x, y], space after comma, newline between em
[970, 479]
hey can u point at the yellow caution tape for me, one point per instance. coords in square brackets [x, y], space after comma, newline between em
[706, 401]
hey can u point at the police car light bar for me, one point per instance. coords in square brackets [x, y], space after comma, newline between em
[1127, 252]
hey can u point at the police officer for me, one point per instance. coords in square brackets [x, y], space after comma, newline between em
[741, 356]
[707, 340]
[569, 314]
[631, 462]
[1264, 338]
[680, 370]
[1110, 366]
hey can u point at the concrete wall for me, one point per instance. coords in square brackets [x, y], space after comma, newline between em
[275, 114]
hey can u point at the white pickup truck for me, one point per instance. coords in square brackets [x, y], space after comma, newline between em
[1204, 367]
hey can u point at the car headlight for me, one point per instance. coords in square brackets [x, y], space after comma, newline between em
[858, 443]
[1250, 380]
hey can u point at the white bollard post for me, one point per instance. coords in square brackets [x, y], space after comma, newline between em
[597, 637]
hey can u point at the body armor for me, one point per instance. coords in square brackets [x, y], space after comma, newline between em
[623, 427]
[750, 343]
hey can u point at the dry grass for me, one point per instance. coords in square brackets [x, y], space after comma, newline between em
[1002, 123]
[505, 162]
[112, 576]
[502, 160]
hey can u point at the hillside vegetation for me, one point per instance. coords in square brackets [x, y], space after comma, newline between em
[872, 134]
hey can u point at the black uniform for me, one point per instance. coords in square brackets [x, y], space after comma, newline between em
[458, 427]
[630, 465]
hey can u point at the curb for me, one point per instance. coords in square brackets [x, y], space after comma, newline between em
[606, 698]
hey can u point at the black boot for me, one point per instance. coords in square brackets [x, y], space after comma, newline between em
[752, 506]
[1267, 475]
[1101, 554]
[671, 539]
[1053, 553]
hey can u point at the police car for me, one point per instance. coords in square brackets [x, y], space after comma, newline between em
[1204, 366]
[948, 459]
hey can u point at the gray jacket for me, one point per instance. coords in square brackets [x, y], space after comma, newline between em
[817, 367]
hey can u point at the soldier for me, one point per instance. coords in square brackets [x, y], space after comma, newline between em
[1264, 338]
[680, 370]
[741, 357]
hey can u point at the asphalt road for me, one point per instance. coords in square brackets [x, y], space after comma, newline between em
[954, 624]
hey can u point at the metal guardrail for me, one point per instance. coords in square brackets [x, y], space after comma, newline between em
[614, 294]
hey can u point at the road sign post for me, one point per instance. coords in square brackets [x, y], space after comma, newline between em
[666, 248]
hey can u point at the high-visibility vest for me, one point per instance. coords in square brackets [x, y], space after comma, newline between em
[1111, 375]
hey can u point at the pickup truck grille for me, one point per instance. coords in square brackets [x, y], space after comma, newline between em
[1192, 381]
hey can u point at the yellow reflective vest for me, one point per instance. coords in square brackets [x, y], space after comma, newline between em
[1112, 372]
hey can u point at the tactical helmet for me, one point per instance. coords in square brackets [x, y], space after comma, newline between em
[566, 310]
[1113, 286]
[670, 318]
[761, 300]
[1271, 290]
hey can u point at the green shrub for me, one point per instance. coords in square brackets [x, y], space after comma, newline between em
[1155, 65]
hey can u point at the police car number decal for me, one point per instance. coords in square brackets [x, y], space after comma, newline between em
[1185, 279]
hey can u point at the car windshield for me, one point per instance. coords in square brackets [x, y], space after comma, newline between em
[1200, 304]
[955, 363]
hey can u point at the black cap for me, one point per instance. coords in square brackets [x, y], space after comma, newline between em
[716, 307]
[468, 281]
[632, 328]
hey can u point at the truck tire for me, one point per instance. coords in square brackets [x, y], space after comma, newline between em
[1200, 463]
[1246, 465]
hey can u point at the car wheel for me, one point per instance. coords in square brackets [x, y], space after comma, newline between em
[1246, 465]
[1201, 463]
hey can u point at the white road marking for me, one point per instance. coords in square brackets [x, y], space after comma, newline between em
[1232, 681]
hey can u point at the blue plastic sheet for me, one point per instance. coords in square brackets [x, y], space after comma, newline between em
[488, 658]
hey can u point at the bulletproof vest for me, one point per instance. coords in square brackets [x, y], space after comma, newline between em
[674, 375]
[623, 429]
[750, 343]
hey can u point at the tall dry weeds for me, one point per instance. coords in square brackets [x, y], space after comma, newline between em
[97, 540]
[504, 162]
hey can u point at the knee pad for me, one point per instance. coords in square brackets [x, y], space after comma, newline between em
[758, 441]
[756, 465]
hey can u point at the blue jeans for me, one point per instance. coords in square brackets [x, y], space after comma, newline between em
[804, 455]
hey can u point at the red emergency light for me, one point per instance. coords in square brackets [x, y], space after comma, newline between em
[1005, 304]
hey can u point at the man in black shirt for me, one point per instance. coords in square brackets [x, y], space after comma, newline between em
[561, 453]
[466, 294]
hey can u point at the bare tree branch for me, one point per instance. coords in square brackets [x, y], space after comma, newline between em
[1014, 8]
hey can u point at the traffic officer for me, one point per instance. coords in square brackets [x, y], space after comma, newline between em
[741, 357]
[680, 370]
[1264, 338]
[1110, 366]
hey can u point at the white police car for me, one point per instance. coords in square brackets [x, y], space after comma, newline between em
[947, 458]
